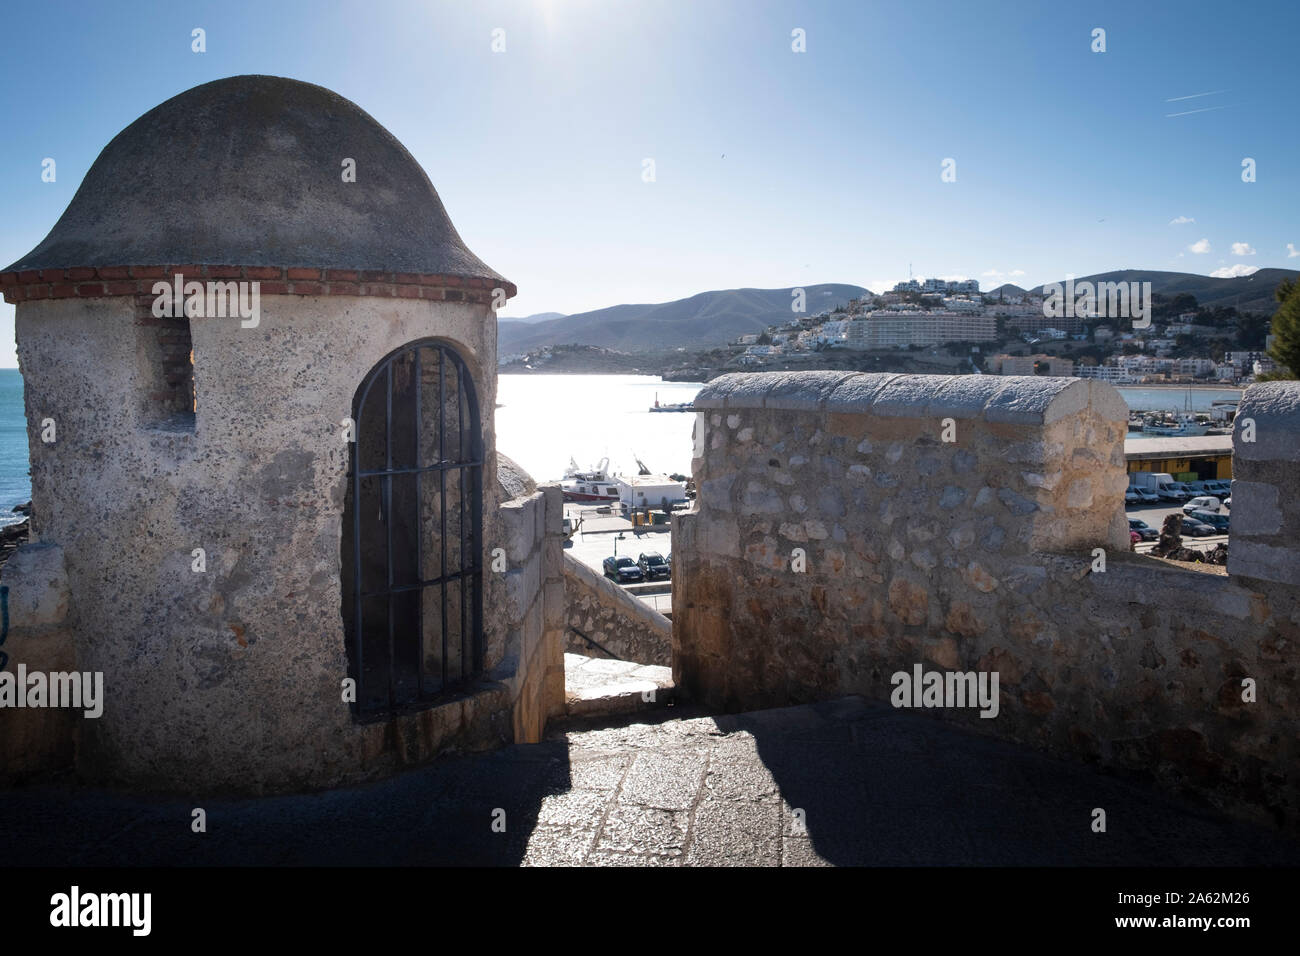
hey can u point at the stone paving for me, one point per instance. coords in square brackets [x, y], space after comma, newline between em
[870, 785]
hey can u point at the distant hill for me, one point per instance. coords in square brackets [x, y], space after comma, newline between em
[533, 319]
[1252, 293]
[705, 320]
[1007, 288]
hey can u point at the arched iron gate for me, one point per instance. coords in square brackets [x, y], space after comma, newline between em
[412, 588]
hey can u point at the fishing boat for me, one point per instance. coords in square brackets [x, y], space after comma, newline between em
[1176, 424]
[1180, 427]
[595, 484]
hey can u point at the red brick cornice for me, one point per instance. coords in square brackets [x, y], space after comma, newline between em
[89, 282]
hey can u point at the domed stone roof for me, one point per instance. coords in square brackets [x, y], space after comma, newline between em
[247, 172]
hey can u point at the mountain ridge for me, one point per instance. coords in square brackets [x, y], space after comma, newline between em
[1252, 293]
[717, 317]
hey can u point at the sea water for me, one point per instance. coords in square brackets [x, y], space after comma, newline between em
[15, 477]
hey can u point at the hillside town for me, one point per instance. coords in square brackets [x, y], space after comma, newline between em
[1008, 331]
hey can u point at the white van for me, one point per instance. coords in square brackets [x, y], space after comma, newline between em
[1204, 503]
[1174, 491]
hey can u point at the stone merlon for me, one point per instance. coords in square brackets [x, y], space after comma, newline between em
[1274, 410]
[844, 532]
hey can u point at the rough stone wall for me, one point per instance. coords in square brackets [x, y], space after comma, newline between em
[977, 554]
[611, 617]
[534, 608]
[230, 678]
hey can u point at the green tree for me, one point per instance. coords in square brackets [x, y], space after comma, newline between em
[1286, 332]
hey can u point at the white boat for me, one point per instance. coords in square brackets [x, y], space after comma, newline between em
[1182, 427]
[1176, 424]
[594, 484]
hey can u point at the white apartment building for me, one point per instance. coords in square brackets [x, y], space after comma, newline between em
[890, 329]
[1194, 366]
[1106, 373]
[1143, 364]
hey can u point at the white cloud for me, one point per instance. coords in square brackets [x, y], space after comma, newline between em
[1017, 272]
[1291, 250]
[1234, 272]
[1200, 247]
[1180, 221]
[1242, 249]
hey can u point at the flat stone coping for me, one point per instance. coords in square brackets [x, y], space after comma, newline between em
[1013, 399]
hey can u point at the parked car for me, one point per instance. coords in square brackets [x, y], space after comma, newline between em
[1134, 537]
[1142, 529]
[1197, 529]
[1219, 487]
[1219, 522]
[1131, 496]
[1174, 491]
[1203, 503]
[623, 570]
[653, 565]
[1147, 497]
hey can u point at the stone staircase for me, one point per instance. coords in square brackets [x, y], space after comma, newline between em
[598, 687]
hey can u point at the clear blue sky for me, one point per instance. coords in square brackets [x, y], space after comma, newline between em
[773, 168]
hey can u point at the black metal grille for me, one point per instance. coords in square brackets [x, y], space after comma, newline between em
[412, 589]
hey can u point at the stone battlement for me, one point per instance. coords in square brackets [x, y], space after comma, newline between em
[851, 526]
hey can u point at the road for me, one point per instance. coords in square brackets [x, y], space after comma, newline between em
[603, 535]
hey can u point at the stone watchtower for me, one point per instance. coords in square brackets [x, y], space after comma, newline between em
[260, 373]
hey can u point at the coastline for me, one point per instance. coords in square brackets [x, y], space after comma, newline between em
[1216, 386]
